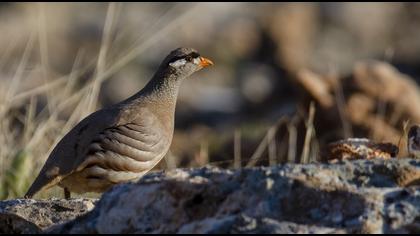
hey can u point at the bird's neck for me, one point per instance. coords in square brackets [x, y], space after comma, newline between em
[162, 88]
[161, 91]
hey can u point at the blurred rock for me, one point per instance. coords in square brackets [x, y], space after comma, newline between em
[358, 148]
[317, 87]
[257, 82]
[293, 26]
[243, 33]
[374, 101]
[382, 81]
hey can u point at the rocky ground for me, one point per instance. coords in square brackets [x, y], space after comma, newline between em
[348, 197]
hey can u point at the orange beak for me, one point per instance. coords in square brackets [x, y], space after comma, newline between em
[204, 62]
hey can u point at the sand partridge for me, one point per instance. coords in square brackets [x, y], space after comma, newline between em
[124, 141]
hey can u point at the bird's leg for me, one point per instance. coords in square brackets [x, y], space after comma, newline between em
[66, 193]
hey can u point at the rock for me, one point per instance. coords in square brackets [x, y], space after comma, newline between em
[33, 216]
[363, 196]
[357, 97]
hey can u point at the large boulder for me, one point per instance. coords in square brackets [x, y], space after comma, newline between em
[379, 196]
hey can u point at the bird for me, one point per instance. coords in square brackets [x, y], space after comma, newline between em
[122, 142]
[413, 144]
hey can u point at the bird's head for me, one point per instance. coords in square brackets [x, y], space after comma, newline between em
[185, 61]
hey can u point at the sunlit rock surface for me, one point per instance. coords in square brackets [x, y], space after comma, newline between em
[349, 197]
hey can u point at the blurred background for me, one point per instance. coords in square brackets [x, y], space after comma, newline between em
[288, 77]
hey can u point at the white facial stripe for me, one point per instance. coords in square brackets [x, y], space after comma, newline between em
[178, 63]
[196, 61]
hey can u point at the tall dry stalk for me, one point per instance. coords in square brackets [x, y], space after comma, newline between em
[237, 149]
[309, 134]
[268, 138]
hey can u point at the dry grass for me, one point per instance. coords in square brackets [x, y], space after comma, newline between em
[31, 121]
[237, 149]
[310, 131]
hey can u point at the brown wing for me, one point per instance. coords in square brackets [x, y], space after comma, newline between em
[125, 152]
[69, 152]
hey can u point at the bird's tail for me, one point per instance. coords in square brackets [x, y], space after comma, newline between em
[41, 182]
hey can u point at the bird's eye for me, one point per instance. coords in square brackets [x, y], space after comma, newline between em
[188, 58]
[192, 56]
